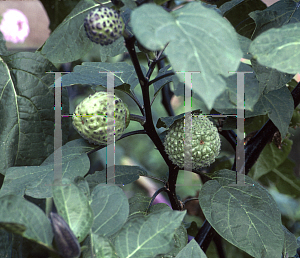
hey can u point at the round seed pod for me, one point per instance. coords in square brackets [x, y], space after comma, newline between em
[92, 121]
[103, 25]
[204, 146]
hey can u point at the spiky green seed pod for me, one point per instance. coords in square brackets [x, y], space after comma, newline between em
[91, 118]
[204, 147]
[103, 25]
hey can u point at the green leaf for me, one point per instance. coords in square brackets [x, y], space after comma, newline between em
[269, 79]
[226, 103]
[275, 16]
[244, 44]
[237, 13]
[180, 239]
[18, 211]
[89, 73]
[102, 248]
[98, 247]
[279, 105]
[191, 250]
[26, 108]
[82, 183]
[168, 121]
[68, 42]
[278, 48]
[245, 215]
[138, 204]
[37, 181]
[74, 207]
[270, 158]
[149, 235]
[189, 31]
[123, 175]
[110, 207]
[290, 243]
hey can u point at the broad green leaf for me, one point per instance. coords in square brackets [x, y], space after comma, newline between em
[97, 247]
[110, 207]
[95, 74]
[68, 42]
[270, 158]
[226, 103]
[82, 183]
[180, 239]
[245, 215]
[123, 175]
[278, 48]
[149, 235]
[290, 243]
[237, 13]
[168, 121]
[159, 27]
[279, 105]
[275, 16]
[199, 40]
[191, 250]
[26, 110]
[16, 210]
[244, 44]
[138, 204]
[37, 181]
[269, 79]
[102, 248]
[74, 207]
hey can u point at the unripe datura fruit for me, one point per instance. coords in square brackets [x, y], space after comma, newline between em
[204, 147]
[103, 25]
[91, 118]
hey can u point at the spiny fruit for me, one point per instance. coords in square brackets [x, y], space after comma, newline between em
[90, 118]
[103, 25]
[204, 146]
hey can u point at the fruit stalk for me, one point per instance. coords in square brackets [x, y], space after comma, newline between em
[137, 118]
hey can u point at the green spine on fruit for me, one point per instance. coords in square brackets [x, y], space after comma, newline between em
[103, 25]
[205, 143]
[90, 118]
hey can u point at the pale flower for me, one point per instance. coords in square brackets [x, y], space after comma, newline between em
[14, 26]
